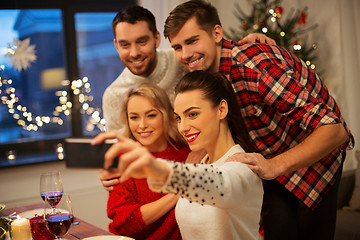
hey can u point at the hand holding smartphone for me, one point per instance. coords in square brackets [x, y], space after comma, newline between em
[80, 153]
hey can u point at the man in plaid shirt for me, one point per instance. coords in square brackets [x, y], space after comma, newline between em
[293, 121]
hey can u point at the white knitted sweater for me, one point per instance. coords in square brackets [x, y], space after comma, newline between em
[166, 74]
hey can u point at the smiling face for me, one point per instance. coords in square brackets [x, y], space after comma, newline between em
[195, 48]
[198, 122]
[136, 46]
[146, 123]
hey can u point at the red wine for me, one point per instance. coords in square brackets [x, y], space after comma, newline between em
[39, 230]
[52, 197]
[59, 224]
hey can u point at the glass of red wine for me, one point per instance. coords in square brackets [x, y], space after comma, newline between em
[58, 221]
[51, 187]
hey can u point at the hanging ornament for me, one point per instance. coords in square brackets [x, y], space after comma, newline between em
[278, 12]
[279, 9]
[21, 53]
[302, 18]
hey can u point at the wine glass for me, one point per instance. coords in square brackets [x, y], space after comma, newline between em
[58, 222]
[51, 187]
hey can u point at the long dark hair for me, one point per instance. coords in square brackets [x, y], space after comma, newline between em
[215, 88]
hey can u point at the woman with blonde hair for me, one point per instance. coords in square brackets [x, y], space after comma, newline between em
[135, 210]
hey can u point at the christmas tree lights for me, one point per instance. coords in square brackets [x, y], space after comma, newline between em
[268, 17]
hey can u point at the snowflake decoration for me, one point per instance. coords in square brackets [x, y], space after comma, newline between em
[21, 54]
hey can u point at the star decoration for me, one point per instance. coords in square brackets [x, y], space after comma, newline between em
[21, 53]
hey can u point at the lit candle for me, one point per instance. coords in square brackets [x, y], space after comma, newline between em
[20, 229]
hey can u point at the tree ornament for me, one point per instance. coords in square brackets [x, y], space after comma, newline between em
[302, 18]
[279, 9]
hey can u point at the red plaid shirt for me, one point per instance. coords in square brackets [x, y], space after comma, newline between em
[282, 101]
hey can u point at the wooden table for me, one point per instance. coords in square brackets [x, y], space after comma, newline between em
[79, 231]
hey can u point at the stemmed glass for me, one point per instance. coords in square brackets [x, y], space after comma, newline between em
[51, 187]
[59, 220]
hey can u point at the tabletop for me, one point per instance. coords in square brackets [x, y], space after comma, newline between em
[79, 231]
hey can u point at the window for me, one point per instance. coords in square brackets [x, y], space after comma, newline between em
[39, 107]
[98, 61]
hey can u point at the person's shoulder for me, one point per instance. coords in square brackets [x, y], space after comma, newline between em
[125, 80]
[119, 80]
[168, 53]
[174, 65]
[253, 49]
[113, 87]
[259, 56]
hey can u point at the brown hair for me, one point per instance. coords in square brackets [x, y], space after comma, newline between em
[158, 97]
[216, 87]
[206, 15]
[134, 14]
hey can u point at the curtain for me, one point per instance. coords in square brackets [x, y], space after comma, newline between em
[350, 48]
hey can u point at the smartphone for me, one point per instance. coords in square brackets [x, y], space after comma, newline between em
[80, 153]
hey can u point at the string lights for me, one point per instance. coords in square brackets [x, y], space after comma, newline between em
[30, 122]
[275, 15]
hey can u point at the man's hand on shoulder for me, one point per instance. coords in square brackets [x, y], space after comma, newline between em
[257, 38]
[264, 168]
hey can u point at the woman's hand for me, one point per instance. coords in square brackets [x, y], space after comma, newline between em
[136, 160]
[109, 179]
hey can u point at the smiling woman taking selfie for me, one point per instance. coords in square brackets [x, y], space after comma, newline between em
[219, 199]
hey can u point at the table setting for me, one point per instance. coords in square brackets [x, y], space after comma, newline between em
[52, 219]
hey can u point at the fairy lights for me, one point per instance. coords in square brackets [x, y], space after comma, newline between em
[29, 122]
[60, 151]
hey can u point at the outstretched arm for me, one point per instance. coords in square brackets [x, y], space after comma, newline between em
[110, 178]
[317, 145]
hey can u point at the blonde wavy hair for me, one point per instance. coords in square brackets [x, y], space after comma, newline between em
[158, 97]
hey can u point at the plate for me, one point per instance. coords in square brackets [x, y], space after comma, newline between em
[31, 213]
[108, 237]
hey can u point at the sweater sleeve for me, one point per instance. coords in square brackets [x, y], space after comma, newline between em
[222, 186]
[124, 210]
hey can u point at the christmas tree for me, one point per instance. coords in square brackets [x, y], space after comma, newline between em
[267, 17]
